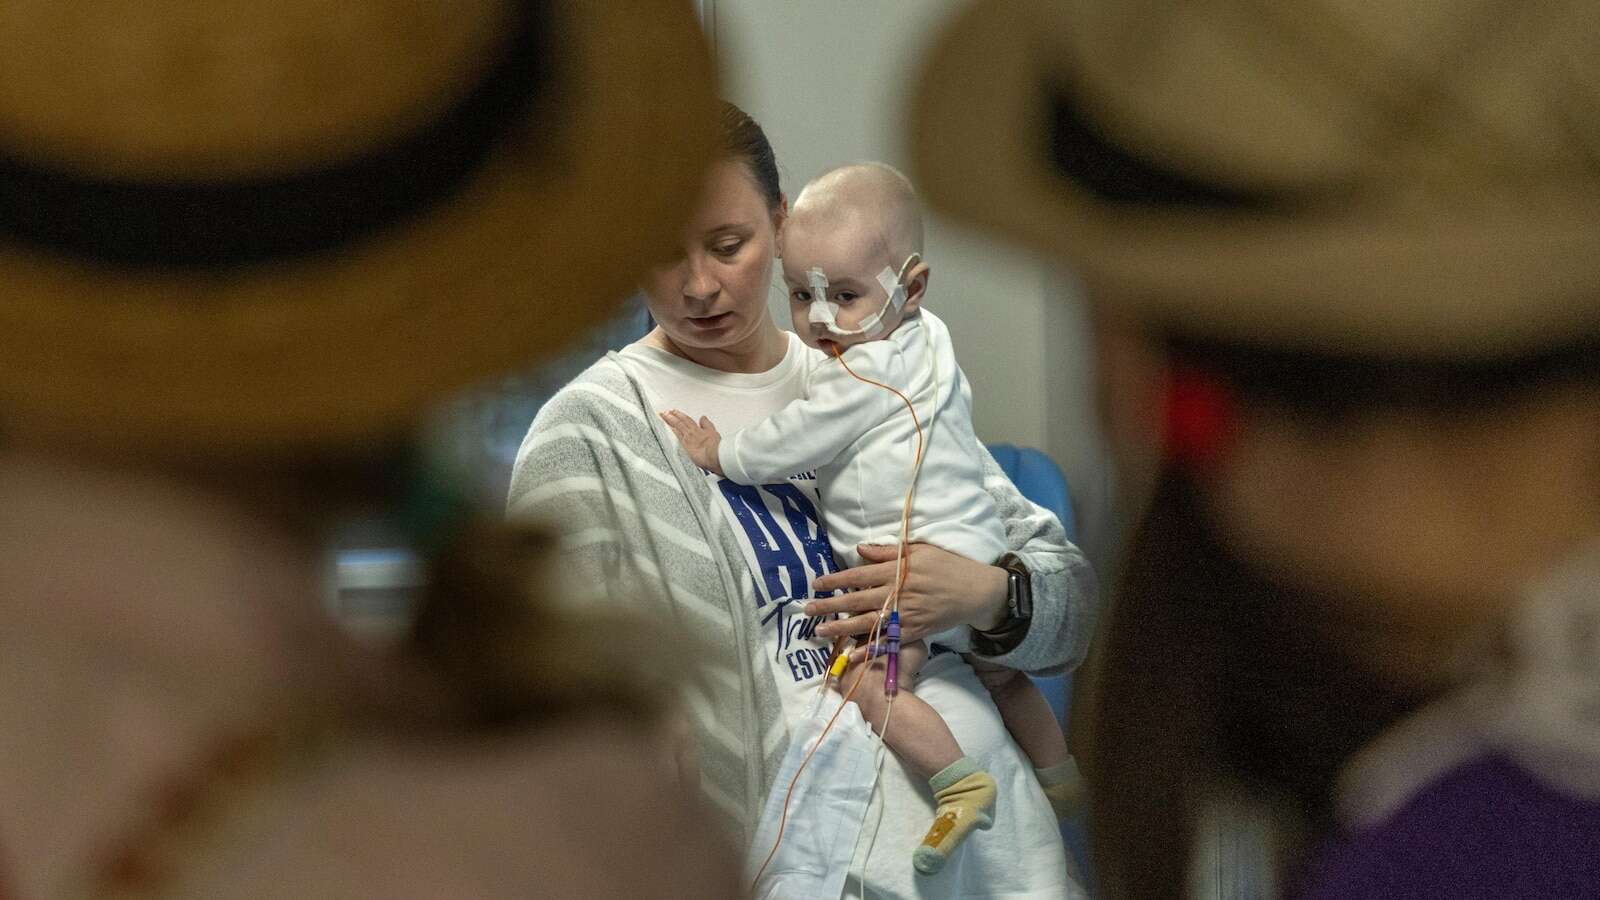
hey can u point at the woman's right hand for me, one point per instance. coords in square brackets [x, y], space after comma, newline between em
[942, 590]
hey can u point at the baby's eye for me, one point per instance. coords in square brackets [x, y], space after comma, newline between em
[801, 296]
[846, 297]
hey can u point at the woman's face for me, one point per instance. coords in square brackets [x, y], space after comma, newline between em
[1432, 520]
[715, 296]
[1427, 529]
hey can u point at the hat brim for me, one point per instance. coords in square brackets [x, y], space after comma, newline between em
[1487, 276]
[296, 357]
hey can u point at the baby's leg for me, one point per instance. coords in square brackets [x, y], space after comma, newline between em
[1027, 714]
[918, 735]
[1033, 724]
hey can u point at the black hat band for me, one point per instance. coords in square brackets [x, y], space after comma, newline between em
[221, 225]
[1085, 156]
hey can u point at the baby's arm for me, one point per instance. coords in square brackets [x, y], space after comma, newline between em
[770, 450]
[800, 437]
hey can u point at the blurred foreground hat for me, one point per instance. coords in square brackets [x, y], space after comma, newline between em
[1391, 177]
[232, 228]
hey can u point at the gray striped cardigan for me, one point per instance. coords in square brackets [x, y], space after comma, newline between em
[638, 525]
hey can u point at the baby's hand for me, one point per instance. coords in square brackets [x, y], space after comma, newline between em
[701, 441]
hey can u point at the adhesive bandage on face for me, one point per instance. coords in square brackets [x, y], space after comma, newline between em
[824, 312]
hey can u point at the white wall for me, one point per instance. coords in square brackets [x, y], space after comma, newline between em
[827, 80]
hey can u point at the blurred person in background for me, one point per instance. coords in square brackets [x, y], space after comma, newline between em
[1342, 261]
[244, 248]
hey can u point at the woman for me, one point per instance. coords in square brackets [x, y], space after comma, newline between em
[741, 565]
[1342, 257]
[244, 249]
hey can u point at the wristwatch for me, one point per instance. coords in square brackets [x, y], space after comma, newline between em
[1019, 611]
[1019, 590]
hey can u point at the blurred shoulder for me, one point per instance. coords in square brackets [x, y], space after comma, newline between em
[600, 394]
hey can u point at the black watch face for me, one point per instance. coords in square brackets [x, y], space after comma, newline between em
[1021, 597]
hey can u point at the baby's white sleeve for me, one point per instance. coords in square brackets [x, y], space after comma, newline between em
[837, 411]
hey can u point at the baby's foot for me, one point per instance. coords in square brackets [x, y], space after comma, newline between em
[966, 796]
[1063, 787]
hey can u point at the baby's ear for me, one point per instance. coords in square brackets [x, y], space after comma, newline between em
[916, 286]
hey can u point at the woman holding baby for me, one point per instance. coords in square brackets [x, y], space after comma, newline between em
[750, 568]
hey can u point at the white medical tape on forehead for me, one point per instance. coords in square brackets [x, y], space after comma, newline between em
[819, 283]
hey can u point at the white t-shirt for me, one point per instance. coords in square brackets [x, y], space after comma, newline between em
[778, 522]
[786, 547]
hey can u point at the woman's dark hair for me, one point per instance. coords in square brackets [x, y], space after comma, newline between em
[1214, 674]
[1217, 673]
[743, 139]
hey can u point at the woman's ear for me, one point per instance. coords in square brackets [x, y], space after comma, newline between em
[916, 286]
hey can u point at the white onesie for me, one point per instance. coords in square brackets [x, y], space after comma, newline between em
[861, 442]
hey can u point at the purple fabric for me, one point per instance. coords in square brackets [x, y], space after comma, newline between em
[1485, 829]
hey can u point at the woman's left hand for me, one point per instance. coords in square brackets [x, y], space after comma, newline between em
[942, 590]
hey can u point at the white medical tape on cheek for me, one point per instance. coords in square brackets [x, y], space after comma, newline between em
[892, 287]
[823, 311]
[893, 282]
[872, 326]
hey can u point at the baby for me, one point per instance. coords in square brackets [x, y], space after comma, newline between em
[852, 260]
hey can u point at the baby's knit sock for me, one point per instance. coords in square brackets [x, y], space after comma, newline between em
[1063, 786]
[965, 794]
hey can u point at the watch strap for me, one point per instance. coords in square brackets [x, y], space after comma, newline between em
[1019, 605]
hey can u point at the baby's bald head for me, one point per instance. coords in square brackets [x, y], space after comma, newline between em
[873, 196]
[848, 240]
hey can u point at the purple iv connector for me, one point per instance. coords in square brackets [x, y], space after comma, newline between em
[891, 675]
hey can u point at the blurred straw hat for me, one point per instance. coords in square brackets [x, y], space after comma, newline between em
[234, 228]
[1379, 176]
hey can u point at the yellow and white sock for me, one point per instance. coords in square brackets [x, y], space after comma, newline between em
[966, 801]
[1063, 786]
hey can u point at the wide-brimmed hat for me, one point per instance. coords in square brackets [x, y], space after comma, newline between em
[1371, 176]
[231, 227]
